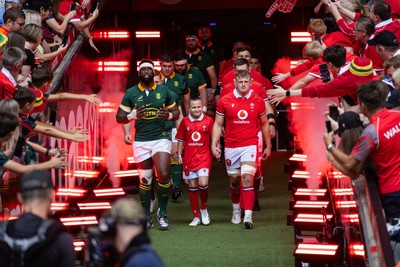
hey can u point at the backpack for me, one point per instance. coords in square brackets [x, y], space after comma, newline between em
[22, 251]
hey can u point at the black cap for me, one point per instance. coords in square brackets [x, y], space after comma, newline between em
[385, 38]
[393, 100]
[36, 180]
[348, 120]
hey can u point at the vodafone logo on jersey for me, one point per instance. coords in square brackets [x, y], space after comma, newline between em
[196, 136]
[242, 114]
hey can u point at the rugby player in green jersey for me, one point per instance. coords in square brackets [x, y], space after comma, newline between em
[150, 105]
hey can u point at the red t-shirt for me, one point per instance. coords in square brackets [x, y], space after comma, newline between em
[381, 139]
[257, 87]
[393, 27]
[196, 133]
[7, 88]
[64, 9]
[371, 53]
[337, 38]
[304, 66]
[255, 75]
[242, 116]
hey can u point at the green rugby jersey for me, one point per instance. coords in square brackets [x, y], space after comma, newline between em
[216, 54]
[177, 83]
[203, 62]
[150, 127]
[195, 81]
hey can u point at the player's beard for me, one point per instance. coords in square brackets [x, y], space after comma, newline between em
[147, 79]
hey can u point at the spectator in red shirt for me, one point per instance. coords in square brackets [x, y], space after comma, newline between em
[12, 61]
[381, 16]
[318, 30]
[386, 44]
[363, 31]
[381, 140]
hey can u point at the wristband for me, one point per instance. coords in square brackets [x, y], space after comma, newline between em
[270, 116]
[170, 116]
[287, 92]
[47, 151]
[204, 109]
[132, 115]
[271, 123]
[329, 147]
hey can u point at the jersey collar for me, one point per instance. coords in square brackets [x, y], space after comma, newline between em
[8, 74]
[194, 53]
[237, 95]
[142, 88]
[208, 44]
[383, 23]
[193, 119]
[170, 76]
[344, 68]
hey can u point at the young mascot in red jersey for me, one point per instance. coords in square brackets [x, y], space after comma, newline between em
[194, 141]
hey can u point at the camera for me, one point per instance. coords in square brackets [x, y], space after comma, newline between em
[99, 250]
[324, 72]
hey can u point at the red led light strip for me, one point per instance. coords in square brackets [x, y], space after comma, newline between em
[109, 192]
[73, 221]
[300, 37]
[316, 249]
[94, 206]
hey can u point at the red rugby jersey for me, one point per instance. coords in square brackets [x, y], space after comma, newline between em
[241, 118]
[196, 135]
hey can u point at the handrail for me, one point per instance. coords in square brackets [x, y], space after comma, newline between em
[376, 237]
[61, 69]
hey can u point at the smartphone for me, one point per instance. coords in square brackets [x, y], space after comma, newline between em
[324, 72]
[72, 7]
[65, 40]
[334, 112]
[328, 126]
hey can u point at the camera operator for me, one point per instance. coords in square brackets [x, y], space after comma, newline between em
[32, 239]
[125, 224]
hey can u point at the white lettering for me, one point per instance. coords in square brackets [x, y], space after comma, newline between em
[241, 122]
[392, 132]
[195, 144]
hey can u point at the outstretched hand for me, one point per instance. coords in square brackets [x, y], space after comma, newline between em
[280, 77]
[276, 95]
